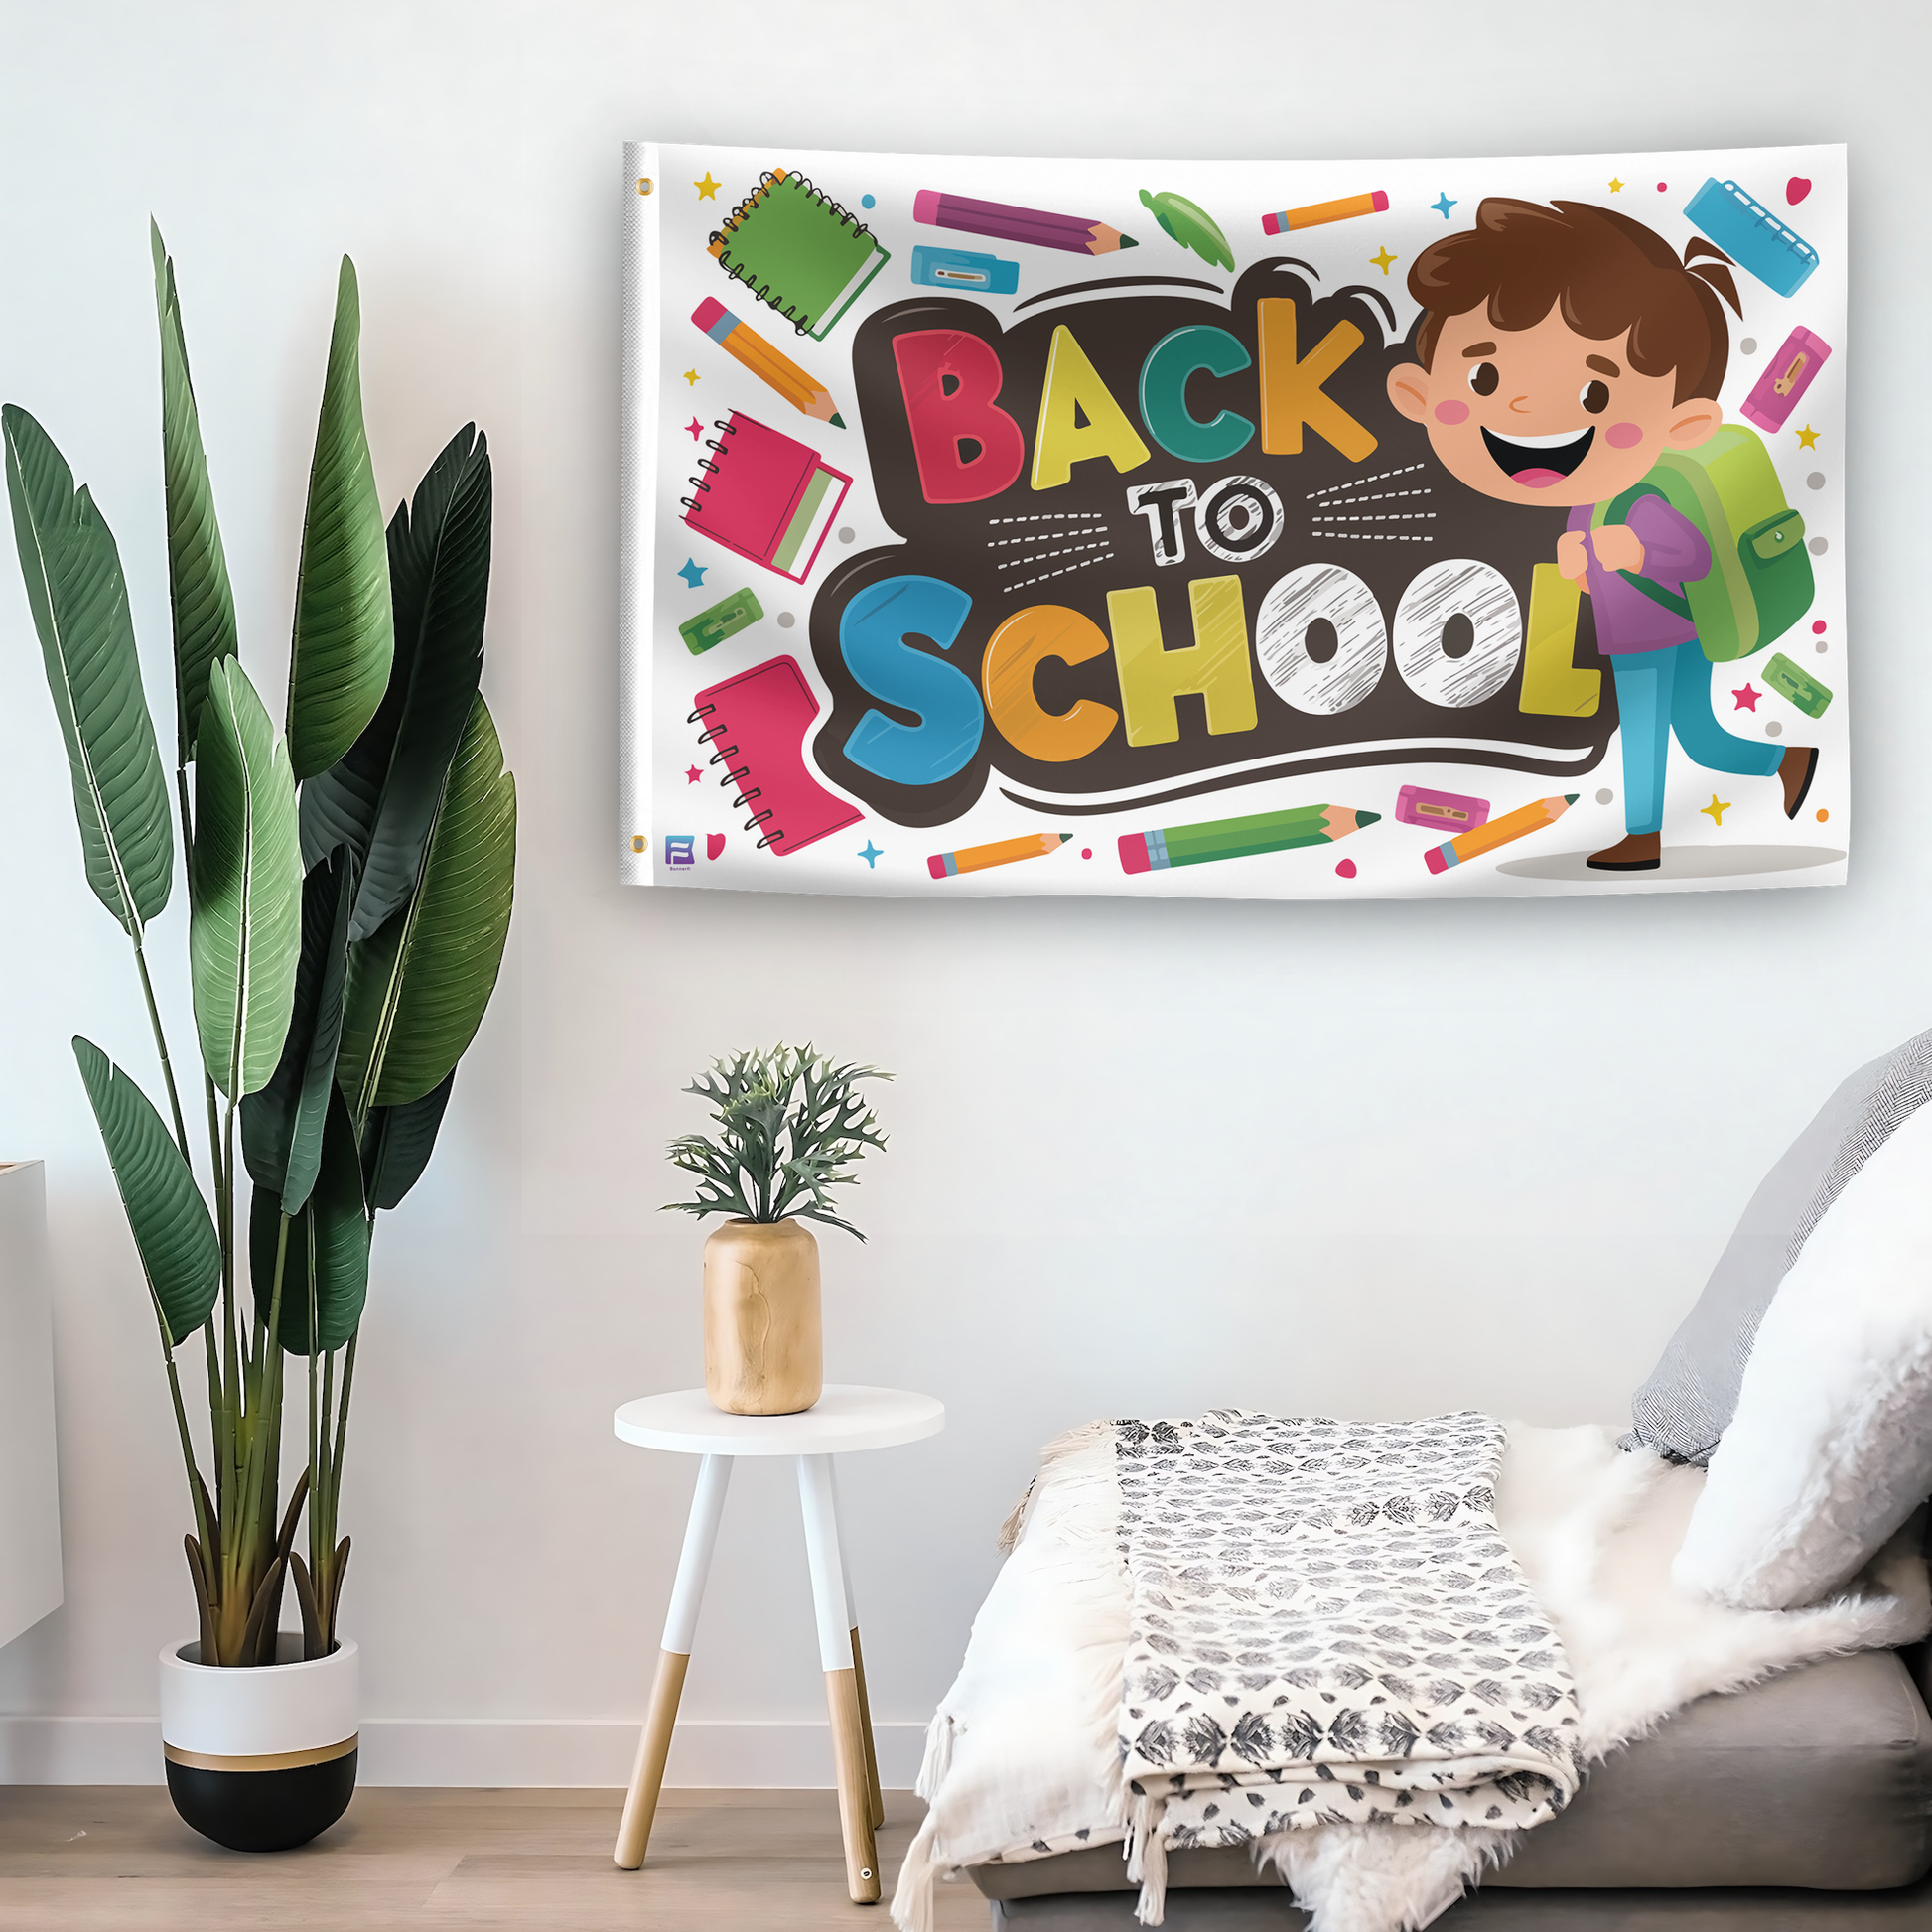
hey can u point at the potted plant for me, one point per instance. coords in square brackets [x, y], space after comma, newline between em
[349, 887]
[790, 1126]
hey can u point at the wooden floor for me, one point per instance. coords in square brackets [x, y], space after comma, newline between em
[111, 1858]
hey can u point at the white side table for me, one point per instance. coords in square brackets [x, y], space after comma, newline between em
[843, 1418]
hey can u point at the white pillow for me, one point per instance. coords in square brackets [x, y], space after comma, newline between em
[1831, 1448]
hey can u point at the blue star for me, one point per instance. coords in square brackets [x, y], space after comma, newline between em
[693, 572]
[1441, 205]
[870, 855]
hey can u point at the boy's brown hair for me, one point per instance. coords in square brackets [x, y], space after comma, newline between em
[1606, 272]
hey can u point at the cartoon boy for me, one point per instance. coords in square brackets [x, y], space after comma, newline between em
[1563, 349]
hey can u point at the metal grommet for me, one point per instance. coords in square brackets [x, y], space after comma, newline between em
[643, 184]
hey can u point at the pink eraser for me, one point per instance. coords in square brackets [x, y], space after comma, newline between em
[1441, 811]
[1133, 852]
[925, 206]
[937, 865]
[1270, 224]
[1434, 859]
[707, 313]
[1381, 201]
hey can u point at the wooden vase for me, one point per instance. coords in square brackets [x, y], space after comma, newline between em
[763, 1344]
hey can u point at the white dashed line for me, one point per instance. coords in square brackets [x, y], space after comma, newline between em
[1381, 475]
[1032, 536]
[1061, 572]
[1062, 516]
[1389, 496]
[1040, 557]
[1387, 516]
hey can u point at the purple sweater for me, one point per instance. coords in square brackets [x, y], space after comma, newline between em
[1674, 553]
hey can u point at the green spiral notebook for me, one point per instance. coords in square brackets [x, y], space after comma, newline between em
[798, 250]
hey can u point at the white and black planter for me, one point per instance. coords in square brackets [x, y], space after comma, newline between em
[261, 1760]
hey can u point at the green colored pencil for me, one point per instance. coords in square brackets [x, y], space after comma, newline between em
[1239, 838]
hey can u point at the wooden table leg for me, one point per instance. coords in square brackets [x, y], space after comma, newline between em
[680, 1625]
[820, 1511]
[875, 1798]
[859, 1673]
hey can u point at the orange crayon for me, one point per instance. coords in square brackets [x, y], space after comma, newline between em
[1316, 212]
[1499, 831]
[976, 858]
[771, 367]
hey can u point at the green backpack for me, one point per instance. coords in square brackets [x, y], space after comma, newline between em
[1759, 583]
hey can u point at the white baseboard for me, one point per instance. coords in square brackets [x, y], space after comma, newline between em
[481, 1751]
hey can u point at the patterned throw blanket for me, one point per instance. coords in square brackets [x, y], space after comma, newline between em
[1327, 1627]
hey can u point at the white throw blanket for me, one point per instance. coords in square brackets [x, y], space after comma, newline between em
[1327, 1627]
[1022, 1759]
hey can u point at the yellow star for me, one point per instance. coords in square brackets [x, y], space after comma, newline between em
[1807, 438]
[707, 189]
[1715, 812]
[1616, 187]
[690, 375]
[1383, 261]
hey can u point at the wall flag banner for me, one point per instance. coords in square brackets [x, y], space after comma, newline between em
[1233, 529]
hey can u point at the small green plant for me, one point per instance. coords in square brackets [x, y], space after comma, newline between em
[792, 1126]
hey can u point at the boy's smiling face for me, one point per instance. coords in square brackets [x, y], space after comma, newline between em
[1544, 416]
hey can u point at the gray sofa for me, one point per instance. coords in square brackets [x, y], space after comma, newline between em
[1802, 1803]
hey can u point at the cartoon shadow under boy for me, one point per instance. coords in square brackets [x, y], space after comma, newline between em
[1562, 350]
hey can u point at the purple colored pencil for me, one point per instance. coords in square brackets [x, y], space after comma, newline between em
[1005, 223]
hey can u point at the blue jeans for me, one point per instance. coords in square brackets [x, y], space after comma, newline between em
[1663, 691]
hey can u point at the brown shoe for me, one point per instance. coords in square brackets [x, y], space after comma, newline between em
[1796, 770]
[1640, 852]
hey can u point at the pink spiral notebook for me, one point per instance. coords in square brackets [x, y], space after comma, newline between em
[758, 721]
[764, 495]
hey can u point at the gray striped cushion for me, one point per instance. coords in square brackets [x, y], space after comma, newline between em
[1692, 1393]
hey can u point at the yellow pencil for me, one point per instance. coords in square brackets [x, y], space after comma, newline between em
[976, 858]
[1479, 839]
[1319, 213]
[741, 341]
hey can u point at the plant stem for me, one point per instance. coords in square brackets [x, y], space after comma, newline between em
[324, 1542]
[181, 1425]
[187, 1450]
[216, 1419]
[230, 1349]
[242, 1576]
[264, 1371]
[322, 1504]
[233, 1413]
[214, 1136]
[161, 1048]
[220, 1398]
[341, 1417]
[317, 1435]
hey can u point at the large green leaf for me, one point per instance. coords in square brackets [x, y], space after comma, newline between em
[198, 571]
[281, 1126]
[326, 1259]
[180, 1253]
[416, 990]
[244, 934]
[345, 634]
[380, 797]
[78, 599]
[397, 1143]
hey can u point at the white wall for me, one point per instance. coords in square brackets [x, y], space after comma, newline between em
[1375, 1159]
